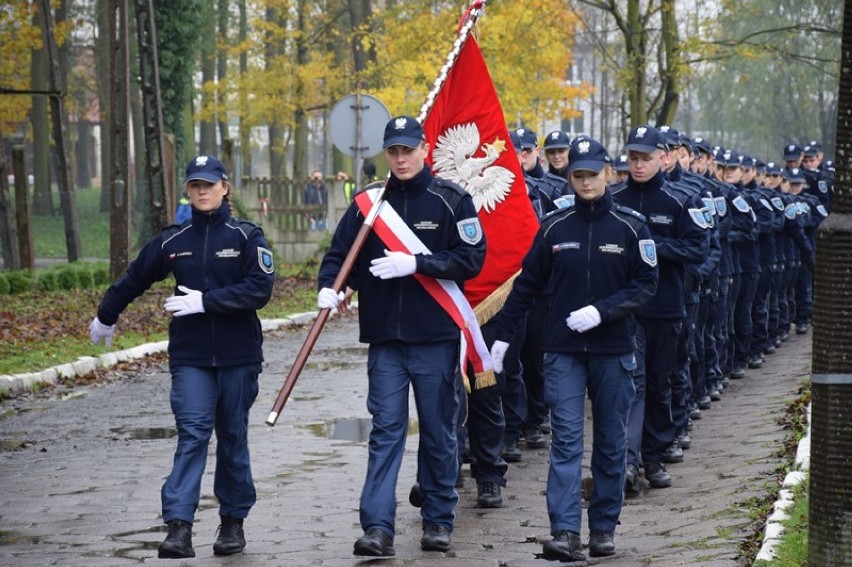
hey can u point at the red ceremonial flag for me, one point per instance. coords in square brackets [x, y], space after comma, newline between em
[470, 146]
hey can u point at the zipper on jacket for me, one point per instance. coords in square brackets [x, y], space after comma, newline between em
[204, 271]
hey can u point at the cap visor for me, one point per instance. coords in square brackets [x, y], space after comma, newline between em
[642, 148]
[586, 165]
[209, 177]
[402, 141]
[556, 147]
[791, 157]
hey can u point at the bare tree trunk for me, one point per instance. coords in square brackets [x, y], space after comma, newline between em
[207, 133]
[8, 232]
[360, 12]
[300, 118]
[245, 133]
[276, 132]
[671, 74]
[42, 197]
[60, 139]
[222, 64]
[102, 57]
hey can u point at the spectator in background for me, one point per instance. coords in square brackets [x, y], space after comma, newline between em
[184, 210]
[348, 185]
[315, 194]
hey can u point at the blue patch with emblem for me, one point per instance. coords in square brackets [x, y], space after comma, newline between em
[721, 206]
[791, 211]
[822, 210]
[779, 204]
[709, 205]
[708, 217]
[264, 260]
[470, 230]
[697, 216]
[564, 202]
[741, 204]
[822, 186]
[648, 252]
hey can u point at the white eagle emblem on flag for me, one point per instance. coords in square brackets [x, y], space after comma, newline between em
[453, 160]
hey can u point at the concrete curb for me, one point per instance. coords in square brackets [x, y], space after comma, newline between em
[774, 530]
[86, 364]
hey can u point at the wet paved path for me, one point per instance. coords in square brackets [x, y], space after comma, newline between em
[81, 475]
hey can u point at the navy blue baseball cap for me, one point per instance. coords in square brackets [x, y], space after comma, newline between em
[621, 164]
[773, 168]
[812, 150]
[792, 152]
[747, 161]
[556, 140]
[815, 145]
[672, 136]
[702, 144]
[587, 154]
[729, 158]
[795, 175]
[205, 168]
[528, 138]
[645, 139]
[516, 140]
[403, 131]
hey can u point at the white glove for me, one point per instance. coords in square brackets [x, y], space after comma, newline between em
[189, 304]
[498, 353]
[584, 319]
[328, 299]
[98, 331]
[393, 265]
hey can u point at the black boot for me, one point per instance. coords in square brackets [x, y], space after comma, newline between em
[231, 538]
[375, 543]
[178, 544]
[565, 546]
[601, 544]
[488, 495]
[435, 538]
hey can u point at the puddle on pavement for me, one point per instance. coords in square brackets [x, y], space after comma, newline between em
[14, 444]
[15, 538]
[323, 365]
[351, 429]
[145, 433]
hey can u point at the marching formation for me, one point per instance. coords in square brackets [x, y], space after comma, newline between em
[654, 280]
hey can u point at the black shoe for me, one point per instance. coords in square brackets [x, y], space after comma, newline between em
[415, 497]
[725, 381]
[689, 424]
[488, 495]
[784, 336]
[565, 546]
[704, 402]
[684, 440]
[694, 412]
[657, 475]
[737, 373]
[178, 543]
[631, 480]
[374, 543]
[771, 348]
[601, 544]
[777, 342]
[535, 438]
[231, 538]
[435, 538]
[511, 452]
[545, 427]
[673, 454]
[755, 362]
[802, 329]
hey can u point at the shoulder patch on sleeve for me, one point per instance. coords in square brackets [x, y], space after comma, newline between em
[766, 204]
[564, 202]
[264, 260]
[822, 210]
[741, 204]
[779, 204]
[697, 216]
[721, 205]
[648, 251]
[822, 186]
[470, 230]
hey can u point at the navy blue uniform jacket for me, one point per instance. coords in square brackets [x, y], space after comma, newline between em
[226, 259]
[400, 308]
[590, 254]
[679, 240]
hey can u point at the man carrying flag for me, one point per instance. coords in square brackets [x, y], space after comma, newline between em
[426, 241]
[472, 147]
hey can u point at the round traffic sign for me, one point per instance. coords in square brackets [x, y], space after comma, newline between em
[358, 114]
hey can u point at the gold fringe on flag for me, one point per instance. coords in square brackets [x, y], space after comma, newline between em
[485, 311]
